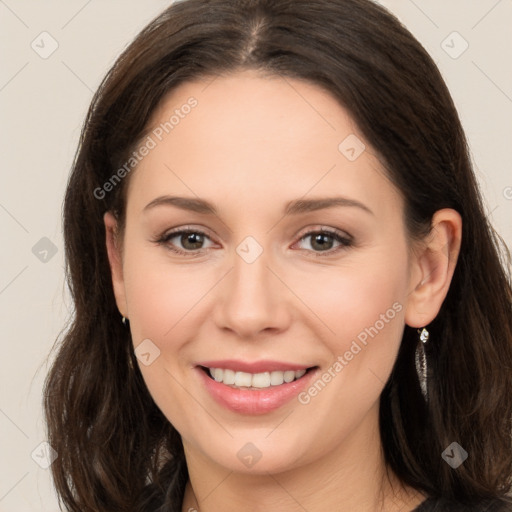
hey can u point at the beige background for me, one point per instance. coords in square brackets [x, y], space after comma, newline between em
[43, 102]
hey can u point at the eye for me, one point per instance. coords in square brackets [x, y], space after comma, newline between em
[190, 240]
[322, 241]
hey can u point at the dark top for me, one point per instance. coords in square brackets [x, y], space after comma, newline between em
[442, 505]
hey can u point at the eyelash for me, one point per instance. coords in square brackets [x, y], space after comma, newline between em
[344, 241]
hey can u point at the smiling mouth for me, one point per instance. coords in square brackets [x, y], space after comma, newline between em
[254, 381]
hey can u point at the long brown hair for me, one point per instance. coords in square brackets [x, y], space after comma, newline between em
[116, 449]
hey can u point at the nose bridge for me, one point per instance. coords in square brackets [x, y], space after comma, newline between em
[251, 297]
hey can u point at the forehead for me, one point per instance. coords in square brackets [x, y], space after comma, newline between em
[248, 135]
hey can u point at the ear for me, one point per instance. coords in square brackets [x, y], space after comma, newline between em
[116, 263]
[432, 267]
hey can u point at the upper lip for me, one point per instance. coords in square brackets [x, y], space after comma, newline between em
[254, 366]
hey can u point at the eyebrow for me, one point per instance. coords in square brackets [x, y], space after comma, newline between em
[295, 207]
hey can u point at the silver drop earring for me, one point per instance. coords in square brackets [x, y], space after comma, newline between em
[421, 361]
[124, 320]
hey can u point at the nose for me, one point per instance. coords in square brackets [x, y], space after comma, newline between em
[252, 299]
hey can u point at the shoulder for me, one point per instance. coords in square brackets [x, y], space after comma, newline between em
[444, 505]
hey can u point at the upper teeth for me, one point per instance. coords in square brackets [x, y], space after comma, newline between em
[255, 380]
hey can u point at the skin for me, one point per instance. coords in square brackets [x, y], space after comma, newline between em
[252, 144]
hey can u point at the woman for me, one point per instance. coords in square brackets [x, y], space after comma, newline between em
[288, 296]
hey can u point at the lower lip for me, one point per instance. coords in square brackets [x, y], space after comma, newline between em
[246, 401]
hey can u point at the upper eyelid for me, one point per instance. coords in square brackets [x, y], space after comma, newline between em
[186, 229]
[321, 229]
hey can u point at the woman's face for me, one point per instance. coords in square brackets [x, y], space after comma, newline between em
[297, 258]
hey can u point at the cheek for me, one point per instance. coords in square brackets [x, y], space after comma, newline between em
[364, 308]
[354, 301]
[168, 305]
[160, 295]
[161, 299]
